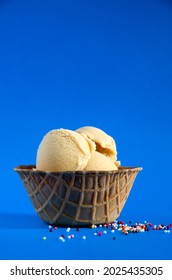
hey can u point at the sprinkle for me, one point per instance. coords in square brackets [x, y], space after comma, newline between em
[50, 230]
[55, 228]
[100, 225]
[112, 230]
[104, 231]
[114, 238]
[92, 226]
[44, 237]
[50, 227]
[99, 233]
[72, 236]
[95, 233]
[68, 229]
[77, 229]
[84, 237]
[62, 239]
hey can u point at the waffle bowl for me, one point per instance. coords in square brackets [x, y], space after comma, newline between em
[78, 198]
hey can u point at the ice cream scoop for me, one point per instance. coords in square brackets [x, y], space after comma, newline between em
[105, 144]
[100, 162]
[63, 150]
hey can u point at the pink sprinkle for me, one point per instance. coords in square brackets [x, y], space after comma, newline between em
[99, 233]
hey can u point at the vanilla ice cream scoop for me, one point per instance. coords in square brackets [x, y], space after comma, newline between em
[63, 150]
[105, 144]
[100, 162]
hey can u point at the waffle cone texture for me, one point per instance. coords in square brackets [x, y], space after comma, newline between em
[78, 198]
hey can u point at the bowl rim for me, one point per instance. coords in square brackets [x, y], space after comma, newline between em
[32, 169]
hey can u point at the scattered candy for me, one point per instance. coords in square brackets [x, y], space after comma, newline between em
[120, 226]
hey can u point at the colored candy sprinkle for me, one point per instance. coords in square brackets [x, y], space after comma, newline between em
[120, 226]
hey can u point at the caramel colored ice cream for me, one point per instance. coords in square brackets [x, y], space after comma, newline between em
[64, 150]
[105, 144]
[100, 162]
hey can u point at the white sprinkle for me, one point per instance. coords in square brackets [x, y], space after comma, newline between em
[95, 233]
[100, 225]
[165, 231]
[145, 222]
[49, 226]
[95, 226]
[112, 230]
[84, 237]
[61, 238]
[44, 237]
[104, 231]
[69, 237]
[68, 229]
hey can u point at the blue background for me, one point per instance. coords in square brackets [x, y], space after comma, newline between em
[74, 63]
